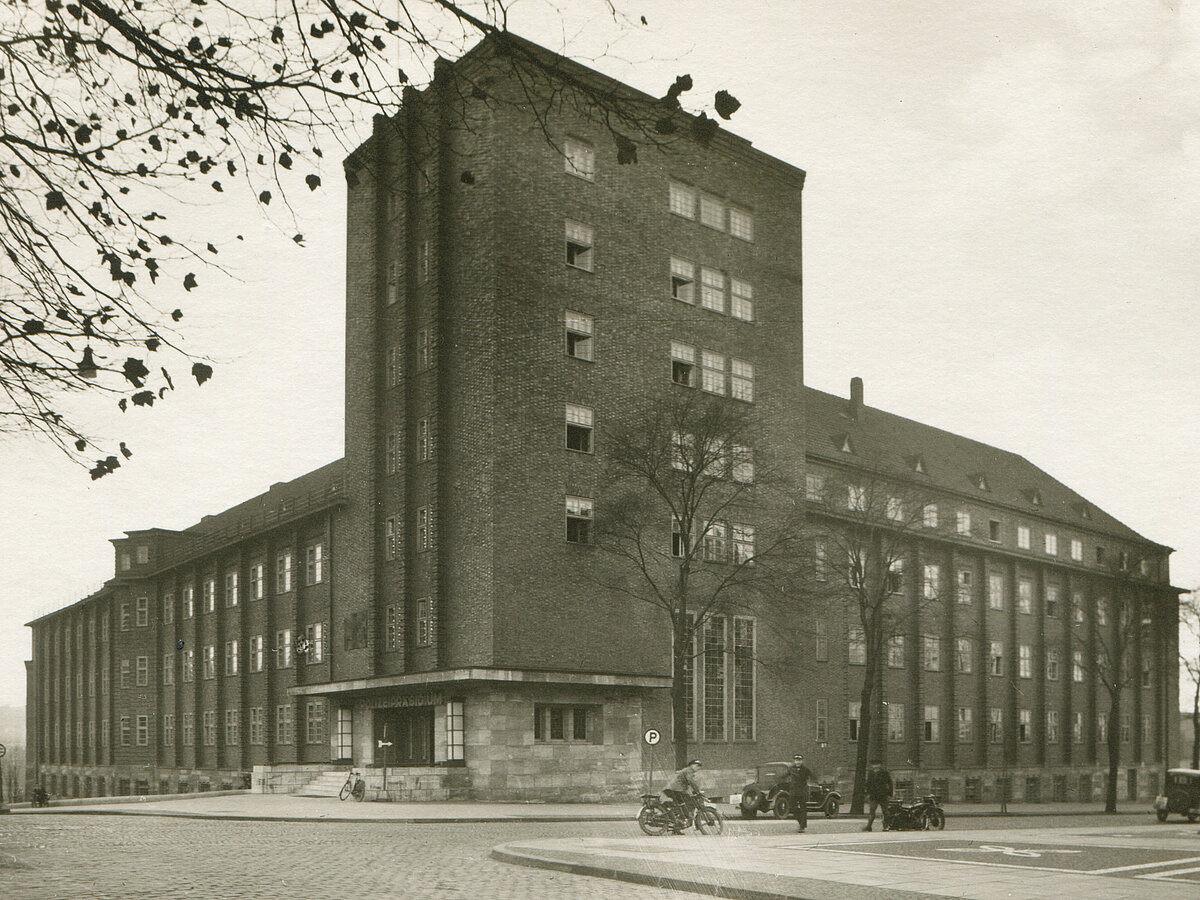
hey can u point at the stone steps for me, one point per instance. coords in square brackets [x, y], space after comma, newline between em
[327, 784]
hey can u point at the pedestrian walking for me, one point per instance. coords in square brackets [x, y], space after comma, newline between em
[798, 776]
[879, 790]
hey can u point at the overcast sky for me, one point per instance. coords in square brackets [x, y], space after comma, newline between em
[1001, 237]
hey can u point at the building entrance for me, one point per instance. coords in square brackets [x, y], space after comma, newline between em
[410, 730]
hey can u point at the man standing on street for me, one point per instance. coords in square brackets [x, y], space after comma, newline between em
[798, 777]
[879, 789]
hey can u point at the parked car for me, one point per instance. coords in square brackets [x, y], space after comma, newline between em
[766, 794]
[1181, 794]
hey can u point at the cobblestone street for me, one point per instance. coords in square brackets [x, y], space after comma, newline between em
[123, 857]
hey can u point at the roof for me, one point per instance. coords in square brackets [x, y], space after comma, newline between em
[948, 462]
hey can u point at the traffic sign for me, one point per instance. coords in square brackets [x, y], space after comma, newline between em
[652, 736]
[3, 750]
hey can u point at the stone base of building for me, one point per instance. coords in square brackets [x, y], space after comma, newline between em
[135, 781]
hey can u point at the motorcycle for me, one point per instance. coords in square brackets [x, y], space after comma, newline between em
[920, 815]
[40, 797]
[657, 817]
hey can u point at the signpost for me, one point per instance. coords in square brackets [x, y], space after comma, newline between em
[3, 808]
[651, 737]
[383, 745]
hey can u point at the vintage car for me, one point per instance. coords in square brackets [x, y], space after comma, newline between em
[766, 794]
[1181, 794]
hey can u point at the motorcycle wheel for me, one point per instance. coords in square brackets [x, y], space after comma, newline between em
[709, 820]
[781, 806]
[651, 821]
[831, 809]
[933, 820]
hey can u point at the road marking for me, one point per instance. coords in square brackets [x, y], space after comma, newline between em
[1149, 865]
[1167, 876]
[1007, 851]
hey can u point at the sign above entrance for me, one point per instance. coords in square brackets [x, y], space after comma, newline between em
[652, 736]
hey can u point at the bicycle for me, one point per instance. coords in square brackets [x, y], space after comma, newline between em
[353, 788]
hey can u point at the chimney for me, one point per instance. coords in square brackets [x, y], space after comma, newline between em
[856, 398]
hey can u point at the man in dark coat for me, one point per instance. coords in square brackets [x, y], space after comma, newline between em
[879, 789]
[797, 786]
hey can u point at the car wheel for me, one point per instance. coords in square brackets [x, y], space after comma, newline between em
[1192, 817]
[831, 808]
[1162, 814]
[751, 801]
[781, 806]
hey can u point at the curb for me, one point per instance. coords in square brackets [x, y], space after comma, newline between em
[133, 798]
[394, 820]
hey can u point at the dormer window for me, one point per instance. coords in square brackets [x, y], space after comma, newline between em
[980, 481]
[844, 443]
[1034, 496]
[918, 464]
[1085, 511]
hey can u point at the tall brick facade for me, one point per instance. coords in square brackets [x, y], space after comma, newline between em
[505, 272]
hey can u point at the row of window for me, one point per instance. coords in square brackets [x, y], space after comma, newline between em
[963, 589]
[964, 724]
[718, 291]
[719, 680]
[579, 160]
[142, 552]
[964, 655]
[394, 625]
[425, 533]
[930, 516]
[138, 727]
[392, 459]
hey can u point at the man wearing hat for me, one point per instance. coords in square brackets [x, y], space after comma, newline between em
[798, 775]
[682, 788]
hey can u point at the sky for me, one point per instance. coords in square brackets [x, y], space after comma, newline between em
[1000, 238]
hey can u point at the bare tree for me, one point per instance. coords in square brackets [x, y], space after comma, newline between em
[1189, 657]
[109, 108]
[702, 515]
[863, 529]
[1120, 619]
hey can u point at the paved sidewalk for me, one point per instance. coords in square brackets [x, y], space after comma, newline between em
[979, 865]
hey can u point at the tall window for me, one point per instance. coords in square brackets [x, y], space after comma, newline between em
[124, 616]
[966, 727]
[1101, 727]
[424, 440]
[895, 722]
[284, 724]
[963, 587]
[1077, 666]
[283, 649]
[231, 588]
[1052, 544]
[314, 563]
[682, 200]
[931, 653]
[683, 280]
[389, 537]
[683, 364]
[714, 678]
[424, 623]
[712, 372]
[895, 651]
[580, 241]
[579, 428]
[1023, 537]
[741, 300]
[930, 515]
[189, 665]
[1024, 726]
[822, 642]
[142, 734]
[189, 729]
[741, 224]
[393, 628]
[168, 729]
[1077, 549]
[1051, 599]
[232, 727]
[964, 651]
[579, 520]
[580, 159]
[455, 730]
[189, 601]
[814, 487]
[425, 528]
[1025, 660]
[143, 671]
[1025, 596]
[210, 594]
[344, 736]
[743, 678]
[741, 380]
[932, 725]
[1051, 726]
[314, 722]
[424, 348]
[1077, 728]
[256, 581]
[995, 590]
[256, 653]
[1052, 663]
[996, 655]
[257, 720]
[210, 661]
[712, 289]
[580, 330]
[283, 573]
[168, 669]
[210, 728]
[853, 716]
[716, 542]
[712, 212]
[231, 657]
[857, 646]
[963, 522]
[315, 635]
[143, 612]
[932, 575]
[822, 721]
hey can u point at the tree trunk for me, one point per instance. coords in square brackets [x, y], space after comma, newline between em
[1114, 752]
[1195, 728]
[682, 651]
[866, 721]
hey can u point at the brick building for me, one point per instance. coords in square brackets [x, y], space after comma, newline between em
[513, 291]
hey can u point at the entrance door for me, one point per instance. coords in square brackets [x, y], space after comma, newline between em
[410, 731]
